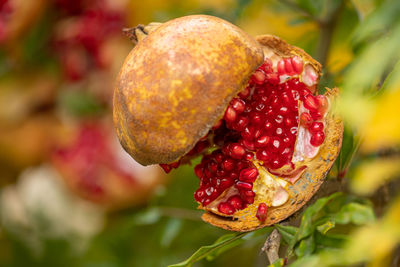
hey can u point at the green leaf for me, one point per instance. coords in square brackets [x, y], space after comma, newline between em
[325, 227]
[329, 240]
[306, 247]
[204, 251]
[306, 226]
[355, 213]
[287, 232]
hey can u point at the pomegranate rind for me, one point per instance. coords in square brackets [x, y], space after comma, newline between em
[176, 84]
[300, 192]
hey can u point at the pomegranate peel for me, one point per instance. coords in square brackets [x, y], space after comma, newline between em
[173, 69]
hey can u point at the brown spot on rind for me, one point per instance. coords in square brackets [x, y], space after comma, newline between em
[172, 76]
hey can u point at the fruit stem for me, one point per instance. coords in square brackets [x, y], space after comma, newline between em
[138, 33]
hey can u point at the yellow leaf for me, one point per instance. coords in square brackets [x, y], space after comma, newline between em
[372, 174]
[383, 127]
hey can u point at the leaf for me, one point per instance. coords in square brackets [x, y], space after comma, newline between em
[355, 213]
[325, 227]
[373, 173]
[306, 247]
[330, 240]
[306, 226]
[204, 251]
[287, 232]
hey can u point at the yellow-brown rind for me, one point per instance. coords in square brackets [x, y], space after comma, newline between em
[299, 192]
[176, 84]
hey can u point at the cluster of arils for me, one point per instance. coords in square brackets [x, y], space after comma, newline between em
[260, 126]
[81, 34]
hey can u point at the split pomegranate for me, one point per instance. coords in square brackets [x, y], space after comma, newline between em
[256, 146]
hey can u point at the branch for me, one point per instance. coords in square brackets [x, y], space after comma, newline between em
[271, 246]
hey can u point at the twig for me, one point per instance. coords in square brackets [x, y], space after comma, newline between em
[271, 246]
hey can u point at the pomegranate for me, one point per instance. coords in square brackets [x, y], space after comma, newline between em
[95, 167]
[198, 85]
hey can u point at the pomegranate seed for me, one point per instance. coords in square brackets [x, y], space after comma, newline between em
[228, 164]
[273, 78]
[323, 103]
[258, 77]
[262, 141]
[226, 208]
[266, 66]
[249, 156]
[230, 114]
[225, 183]
[248, 133]
[199, 194]
[316, 115]
[262, 212]
[310, 102]
[245, 93]
[243, 185]
[306, 119]
[206, 201]
[248, 175]
[289, 122]
[248, 144]
[240, 123]
[279, 119]
[238, 105]
[237, 151]
[256, 118]
[288, 66]
[276, 145]
[281, 67]
[262, 155]
[317, 138]
[198, 170]
[236, 202]
[297, 64]
[277, 163]
[268, 126]
[166, 167]
[316, 127]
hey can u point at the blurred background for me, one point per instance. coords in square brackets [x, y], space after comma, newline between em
[69, 194]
